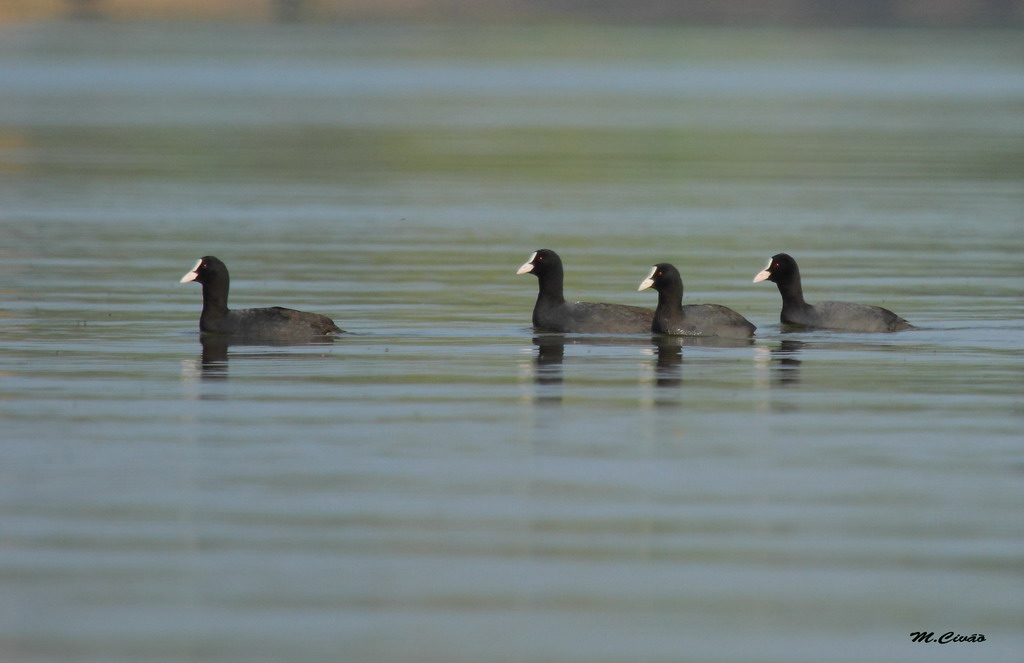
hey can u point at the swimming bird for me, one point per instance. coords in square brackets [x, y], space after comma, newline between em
[552, 313]
[672, 317]
[783, 272]
[267, 324]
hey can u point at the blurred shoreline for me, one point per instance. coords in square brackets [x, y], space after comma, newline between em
[823, 13]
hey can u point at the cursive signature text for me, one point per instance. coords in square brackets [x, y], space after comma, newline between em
[945, 638]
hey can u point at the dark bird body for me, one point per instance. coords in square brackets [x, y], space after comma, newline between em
[782, 270]
[254, 324]
[554, 314]
[674, 318]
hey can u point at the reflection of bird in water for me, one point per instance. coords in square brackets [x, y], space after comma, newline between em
[785, 364]
[547, 368]
[669, 358]
[548, 362]
[668, 368]
[214, 357]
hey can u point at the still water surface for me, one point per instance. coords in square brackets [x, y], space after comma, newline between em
[443, 484]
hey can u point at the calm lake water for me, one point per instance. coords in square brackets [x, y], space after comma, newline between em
[443, 484]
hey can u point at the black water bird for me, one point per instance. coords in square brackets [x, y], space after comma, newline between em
[251, 324]
[673, 318]
[554, 314]
[846, 316]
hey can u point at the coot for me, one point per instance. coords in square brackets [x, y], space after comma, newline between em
[671, 317]
[267, 324]
[783, 272]
[552, 313]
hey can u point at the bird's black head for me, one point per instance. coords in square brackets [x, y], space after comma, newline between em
[541, 262]
[209, 268]
[661, 276]
[780, 269]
